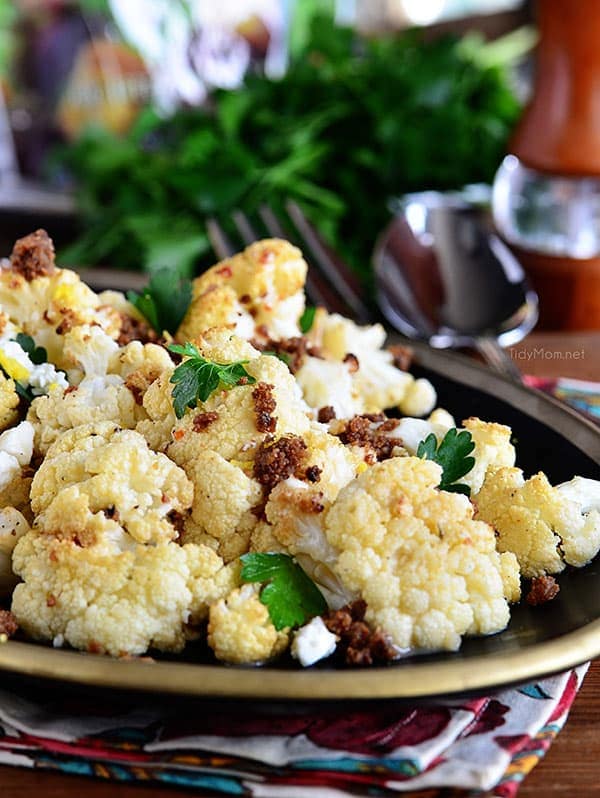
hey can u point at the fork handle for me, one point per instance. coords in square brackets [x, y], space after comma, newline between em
[497, 357]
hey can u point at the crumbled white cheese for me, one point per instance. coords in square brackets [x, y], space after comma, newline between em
[582, 491]
[44, 377]
[313, 642]
[18, 442]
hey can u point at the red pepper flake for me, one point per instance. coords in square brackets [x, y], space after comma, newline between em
[50, 600]
[225, 271]
[266, 255]
[179, 434]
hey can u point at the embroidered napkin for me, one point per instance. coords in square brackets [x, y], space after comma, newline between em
[479, 744]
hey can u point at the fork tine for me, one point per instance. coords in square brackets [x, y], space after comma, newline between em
[332, 267]
[244, 228]
[219, 241]
[271, 222]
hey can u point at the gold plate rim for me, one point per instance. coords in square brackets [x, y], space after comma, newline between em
[412, 681]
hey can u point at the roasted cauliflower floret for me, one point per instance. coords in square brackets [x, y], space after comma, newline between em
[98, 479]
[224, 497]
[13, 526]
[428, 572]
[44, 301]
[330, 383]
[493, 449]
[105, 600]
[9, 402]
[241, 631]
[372, 384]
[96, 394]
[135, 358]
[237, 425]
[261, 287]
[95, 399]
[545, 527]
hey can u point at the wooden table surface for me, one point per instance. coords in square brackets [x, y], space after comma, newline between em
[571, 769]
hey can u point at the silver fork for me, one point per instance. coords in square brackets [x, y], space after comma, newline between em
[329, 283]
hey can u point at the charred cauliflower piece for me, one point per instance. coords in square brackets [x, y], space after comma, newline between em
[103, 599]
[45, 301]
[545, 527]
[240, 630]
[98, 479]
[9, 402]
[261, 287]
[108, 384]
[428, 572]
[101, 569]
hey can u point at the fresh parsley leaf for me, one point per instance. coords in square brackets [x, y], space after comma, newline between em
[453, 456]
[307, 319]
[165, 300]
[196, 378]
[290, 596]
[37, 354]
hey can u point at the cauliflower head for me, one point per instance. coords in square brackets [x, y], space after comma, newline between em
[545, 527]
[9, 402]
[428, 572]
[261, 287]
[97, 479]
[102, 599]
[237, 424]
[101, 567]
[241, 631]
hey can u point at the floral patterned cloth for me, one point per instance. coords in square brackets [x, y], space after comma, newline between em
[479, 744]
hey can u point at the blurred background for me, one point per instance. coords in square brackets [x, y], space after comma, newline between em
[124, 124]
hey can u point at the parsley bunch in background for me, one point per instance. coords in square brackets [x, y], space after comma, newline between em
[351, 123]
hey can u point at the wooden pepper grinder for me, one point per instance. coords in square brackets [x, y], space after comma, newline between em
[547, 192]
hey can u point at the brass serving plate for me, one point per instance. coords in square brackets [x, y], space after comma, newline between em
[539, 641]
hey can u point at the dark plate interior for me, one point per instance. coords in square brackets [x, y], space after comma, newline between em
[547, 437]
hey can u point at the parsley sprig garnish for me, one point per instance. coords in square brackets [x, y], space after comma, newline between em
[37, 354]
[291, 597]
[307, 319]
[164, 301]
[453, 456]
[196, 378]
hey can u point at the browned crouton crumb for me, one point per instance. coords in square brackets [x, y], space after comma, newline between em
[264, 406]
[543, 589]
[277, 461]
[33, 256]
[8, 623]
